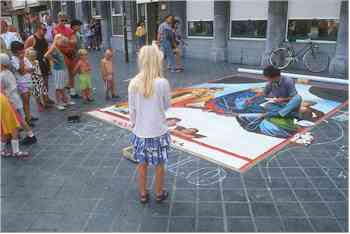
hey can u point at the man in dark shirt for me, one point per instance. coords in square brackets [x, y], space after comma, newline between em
[285, 99]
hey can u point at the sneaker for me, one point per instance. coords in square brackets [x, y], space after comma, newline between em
[28, 140]
[74, 96]
[60, 107]
[90, 99]
[34, 119]
[70, 103]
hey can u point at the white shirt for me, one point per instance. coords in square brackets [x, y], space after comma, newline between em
[10, 37]
[26, 78]
[9, 85]
[148, 114]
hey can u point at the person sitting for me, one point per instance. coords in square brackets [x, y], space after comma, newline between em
[285, 100]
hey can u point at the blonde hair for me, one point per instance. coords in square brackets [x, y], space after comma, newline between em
[150, 63]
[82, 52]
[30, 53]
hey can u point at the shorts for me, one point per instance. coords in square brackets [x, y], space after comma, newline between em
[59, 77]
[85, 81]
[109, 82]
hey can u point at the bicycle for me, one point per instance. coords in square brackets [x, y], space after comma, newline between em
[314, 59]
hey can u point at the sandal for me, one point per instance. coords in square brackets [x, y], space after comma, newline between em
[21, 155]
[162, 197]
[144, 198]
[6, 154]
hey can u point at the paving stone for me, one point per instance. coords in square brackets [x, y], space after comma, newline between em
[154, 224]
[183, 209]
[99, 223]
[234, 195]
[210, 225]
[240, 225]
[180, 224]
[268, 224]
[325, 225]
[210, 209]
[237, 209]
[290, 210]
[315, 209]
[297, 225]
[263, 209]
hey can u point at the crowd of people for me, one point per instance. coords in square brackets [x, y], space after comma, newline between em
[55, 52]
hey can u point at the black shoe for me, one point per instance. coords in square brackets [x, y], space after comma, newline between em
[29, 140]
[107, 97]
[115, 96]
[31, 124]
[34, 119]
[90, 99]
[74, 96]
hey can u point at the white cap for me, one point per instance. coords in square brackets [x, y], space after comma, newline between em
[4, 59]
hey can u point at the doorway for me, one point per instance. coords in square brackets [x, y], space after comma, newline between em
[149, 13]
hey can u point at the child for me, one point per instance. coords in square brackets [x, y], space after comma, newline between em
[9, 88]
[39, 90]
[107, 73]
[59, 72]
[23, 70]
[83, 67]
[9, 129]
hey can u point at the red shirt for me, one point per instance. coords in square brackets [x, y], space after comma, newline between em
[65, 31]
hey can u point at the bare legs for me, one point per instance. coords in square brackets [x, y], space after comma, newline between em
[160, 173]
[26, 106]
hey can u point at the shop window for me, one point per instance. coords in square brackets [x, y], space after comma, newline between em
[315, 29]
[200, 29]
[117, 25]
[248, 28]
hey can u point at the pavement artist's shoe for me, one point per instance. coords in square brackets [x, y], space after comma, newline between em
[29, 140]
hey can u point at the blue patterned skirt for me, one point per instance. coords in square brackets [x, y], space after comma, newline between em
[151, 151]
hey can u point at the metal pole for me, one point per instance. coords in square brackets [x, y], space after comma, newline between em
[125, 35]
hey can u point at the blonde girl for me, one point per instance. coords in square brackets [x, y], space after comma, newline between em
[149, 98]
[83, 68]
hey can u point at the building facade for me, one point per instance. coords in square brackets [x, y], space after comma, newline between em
[234, 31]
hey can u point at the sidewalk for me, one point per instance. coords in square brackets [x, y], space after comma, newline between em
[78, 180]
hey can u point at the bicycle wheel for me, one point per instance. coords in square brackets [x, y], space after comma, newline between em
[280, 58]
[316, 61]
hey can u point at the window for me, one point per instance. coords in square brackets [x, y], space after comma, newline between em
[117, 18]
[249, 18]
[200, 17]
[249, 28]
[200, 28]
[317, 29]
[94, 9]
[304, 21]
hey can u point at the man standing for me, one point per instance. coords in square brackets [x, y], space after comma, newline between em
[285, 100]
[49, 29]
[40, 45]
[68, 51]
[165, 39]
[8, 37]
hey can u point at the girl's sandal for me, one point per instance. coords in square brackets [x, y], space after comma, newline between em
[162, 197]
[144, 198]
[21, 155]
[6, 154]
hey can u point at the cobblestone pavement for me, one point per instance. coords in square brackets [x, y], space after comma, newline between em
[77, 179]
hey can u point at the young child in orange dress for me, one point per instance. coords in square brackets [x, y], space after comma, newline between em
[9, 129]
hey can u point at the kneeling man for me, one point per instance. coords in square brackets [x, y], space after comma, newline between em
[285, 99]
